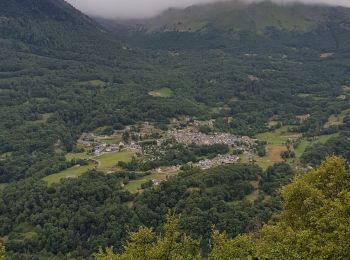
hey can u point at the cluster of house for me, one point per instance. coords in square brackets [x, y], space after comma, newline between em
[107, 148]
[193, 136]
[187, 135]
[98, 146]
[104, 148]
[219, 160]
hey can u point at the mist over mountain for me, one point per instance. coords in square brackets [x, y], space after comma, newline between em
[233, 23]
[126, 9]
[204, 111]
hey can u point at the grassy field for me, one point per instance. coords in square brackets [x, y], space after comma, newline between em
[108, 161]
[135, 185]
[278, 136]
[272, 123]
[2, 186]
[255, 193]
[73, 172]
[94, 83]
[346, 88]
[112, 140]
[335, 120]
[300, 149]
[314, 97]
[273, 155]
[276, 144]
[304, 143]
[163, 92]
[44, 118]
[71, 156]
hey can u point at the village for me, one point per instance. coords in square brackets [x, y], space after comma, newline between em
[186, 135]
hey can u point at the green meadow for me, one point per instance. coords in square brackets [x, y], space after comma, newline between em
[135, 185]
[109, 161]
[73, 172]
[71, 156]
[163, 92]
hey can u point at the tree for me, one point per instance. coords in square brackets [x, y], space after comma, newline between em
[315, 221]
[241, 247]
[2, 252]
[146, 245]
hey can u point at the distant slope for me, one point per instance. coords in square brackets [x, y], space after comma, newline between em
[235, 16]
[46, 23]
[288, 24]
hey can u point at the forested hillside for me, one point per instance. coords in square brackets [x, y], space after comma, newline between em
[69, 89]
[238, 25]
[312, 225]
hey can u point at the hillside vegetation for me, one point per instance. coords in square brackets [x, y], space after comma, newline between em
[312, 225]
[228, 23]
[277, 73]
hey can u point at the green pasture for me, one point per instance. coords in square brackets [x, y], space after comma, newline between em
[278, 136]
[73, 172]
[163, 92]
[71, 156]
[109, 161]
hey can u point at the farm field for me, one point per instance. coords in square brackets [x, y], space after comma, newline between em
[109, 161]
[2, 186]
[304, 143]
[135, 185]
[73, 172]
[276, 144]
[71, 156]
[273, 155]
[163, 92]
[312, 96]
[278, 136]
[44, 117]
[336, 120]
[255, 193]
[106, 162]
[115, 140]
[94, 83]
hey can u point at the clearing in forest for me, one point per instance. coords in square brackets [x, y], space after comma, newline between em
[73, 172]
[274, 153]
[94, 83]
[252, 197]
[163, 92]
[105, 162]
[135, 185]
[109, 161]
[81, 156]
[278, 136]
[336, 120]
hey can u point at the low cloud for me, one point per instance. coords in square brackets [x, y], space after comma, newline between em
[148, 8]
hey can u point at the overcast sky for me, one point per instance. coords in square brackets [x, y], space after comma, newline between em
[147, 8]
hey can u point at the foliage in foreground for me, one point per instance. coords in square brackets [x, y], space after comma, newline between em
[2, 252]
[314, 224]
[145, 244]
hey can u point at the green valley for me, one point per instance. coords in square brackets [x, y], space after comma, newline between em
[212, 121]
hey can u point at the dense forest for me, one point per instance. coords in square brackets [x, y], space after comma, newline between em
[62, 74]
[75, 217]
[312, 225]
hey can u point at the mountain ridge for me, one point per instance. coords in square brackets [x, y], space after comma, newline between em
[303, 23]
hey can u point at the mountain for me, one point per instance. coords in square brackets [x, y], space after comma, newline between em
[278, 74]
[40, 10]
[47, 23]
[294, 24]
